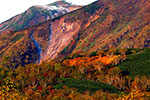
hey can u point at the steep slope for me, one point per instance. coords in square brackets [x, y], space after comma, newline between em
[25, 46]
[36, 14]
[100, 25]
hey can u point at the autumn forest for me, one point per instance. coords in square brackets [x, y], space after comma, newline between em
[100, 51]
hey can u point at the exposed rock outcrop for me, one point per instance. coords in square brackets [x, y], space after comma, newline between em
[62, 34]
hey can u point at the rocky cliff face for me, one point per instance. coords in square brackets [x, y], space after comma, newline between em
[36, 14]
[62, 33]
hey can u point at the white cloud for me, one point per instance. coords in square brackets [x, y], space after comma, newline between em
[10, 8]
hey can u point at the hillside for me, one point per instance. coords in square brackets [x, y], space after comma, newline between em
[37, 14]
[106, 24]
[98, 52]
[100, 25]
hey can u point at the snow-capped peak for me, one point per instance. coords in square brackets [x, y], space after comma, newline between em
[54, 10]
[47, 7]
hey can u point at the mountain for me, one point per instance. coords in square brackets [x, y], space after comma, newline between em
[37, 14]
[101, 25]
[100, 51]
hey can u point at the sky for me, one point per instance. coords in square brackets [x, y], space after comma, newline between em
[10, 8]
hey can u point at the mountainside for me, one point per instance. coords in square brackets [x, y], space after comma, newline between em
[98, 52]
[101, 25]
[37, 14]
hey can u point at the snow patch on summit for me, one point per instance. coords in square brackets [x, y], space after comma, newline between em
[55, 10]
